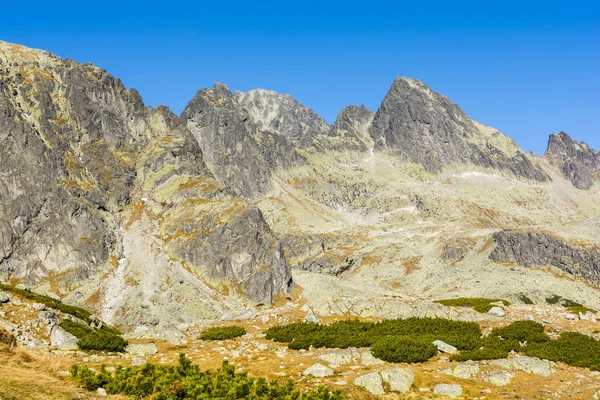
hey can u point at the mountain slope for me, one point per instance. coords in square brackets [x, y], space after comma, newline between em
[108, 202]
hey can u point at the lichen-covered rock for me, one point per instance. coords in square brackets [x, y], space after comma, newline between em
[450, 390]
[318, 370]
[501, 378]
[529, 248]
[465, 371]
[577, 161]
[62, 339]
[372, 382]
[444, 347]
[4, 297]
[399, 379]
[426, 128]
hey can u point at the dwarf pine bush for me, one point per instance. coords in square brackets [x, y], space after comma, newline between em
[222, 333]
[103, 339]
[187, 381]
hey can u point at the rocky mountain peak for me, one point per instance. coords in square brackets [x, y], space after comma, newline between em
[426, 128]
[578, 162]
[283, 115]
[350, 131]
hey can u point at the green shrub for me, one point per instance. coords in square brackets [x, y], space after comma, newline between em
[403, 349]
[571, 305]
[95, 339]
[223, 333]
[187, 381]
[571, 348]
[525, 300]
[479, 304]
[523, 331]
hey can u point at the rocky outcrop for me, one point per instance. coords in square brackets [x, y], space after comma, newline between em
[283, 115]
[350, 131]
[531, 249]
[113, 202]
[238, 151]
[577, 161]
[426, 128]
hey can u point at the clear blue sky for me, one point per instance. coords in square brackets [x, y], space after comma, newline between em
[528, 68]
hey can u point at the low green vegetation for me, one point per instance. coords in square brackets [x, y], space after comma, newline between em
[479, 304]
[398, 340]
[410, 340]
[49, 302]
[570, 305]
[571, 348]
[102, 339]
[223, 333]
[187, 381]
[525, 300]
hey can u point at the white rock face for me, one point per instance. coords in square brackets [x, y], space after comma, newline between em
[366, 358]
[372, 382]
[499, 379]
[399, 379]
[63, 339]
[497, 311]
[318, 370]
[445, 347]
[142, 349]
[101, 392]
[450, 390]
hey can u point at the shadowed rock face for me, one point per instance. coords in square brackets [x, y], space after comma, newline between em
[350, 131]
[88, 170]
[577, 161]
[241, 154]
[426, 128]
[541, 249]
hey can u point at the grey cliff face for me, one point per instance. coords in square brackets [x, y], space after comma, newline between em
[577, 161]
[241, 155]
[350, 131]
[541, 249]
[85, 166]
[283, 115]
[426, 128]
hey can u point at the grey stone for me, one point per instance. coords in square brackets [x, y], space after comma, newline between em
[577, 161]
[63, 339]
[312, 317]
[39, 306]
[450, 390]
[534, 365]
[499, 378]
[465, 371]
[399, 379]
[444, 347]
[367, 358]
[426, 128]
[4, 297]
[528, 317]
[372, 382]
[497, 311]
[531, 248]
[138, 361]
[101, 392]
[318, 370]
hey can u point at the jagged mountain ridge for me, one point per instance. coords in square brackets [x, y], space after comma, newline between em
[219, 200]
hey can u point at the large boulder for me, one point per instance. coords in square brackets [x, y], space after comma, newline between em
[62, 339]
[399, 379]
[372, 382]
